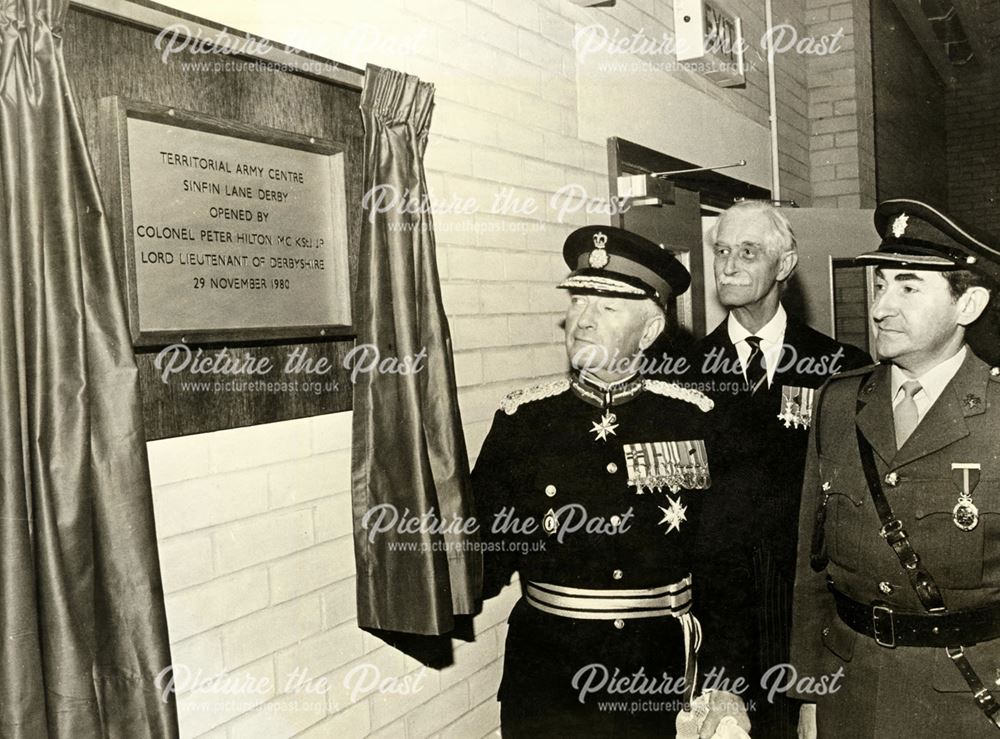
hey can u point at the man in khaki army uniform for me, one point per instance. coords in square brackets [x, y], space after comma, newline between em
[897, 594]
[591, 488]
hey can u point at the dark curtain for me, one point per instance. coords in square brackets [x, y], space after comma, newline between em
[82, 627]
[408, 448]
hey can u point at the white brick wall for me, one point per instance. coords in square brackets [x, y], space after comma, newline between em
[257, 559]
[255, 524]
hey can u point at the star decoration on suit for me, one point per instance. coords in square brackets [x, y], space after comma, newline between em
[674, 515]
[605, 427]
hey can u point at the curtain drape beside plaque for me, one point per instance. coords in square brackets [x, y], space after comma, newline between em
[82, 625]
[409, 457]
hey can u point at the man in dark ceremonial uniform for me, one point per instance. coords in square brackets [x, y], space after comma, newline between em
[898, 582]
[591, 488]
[761, 366]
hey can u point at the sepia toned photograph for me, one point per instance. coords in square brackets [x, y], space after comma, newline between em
[450, 369]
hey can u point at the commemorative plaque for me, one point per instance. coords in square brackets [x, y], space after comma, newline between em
[228, 231]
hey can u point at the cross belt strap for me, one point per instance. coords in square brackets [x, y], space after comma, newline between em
[892, 531]
[920, 579]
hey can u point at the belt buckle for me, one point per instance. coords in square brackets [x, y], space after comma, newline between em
[882, 615]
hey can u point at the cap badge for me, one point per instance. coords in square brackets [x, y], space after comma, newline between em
[599, 257]
[899, 225]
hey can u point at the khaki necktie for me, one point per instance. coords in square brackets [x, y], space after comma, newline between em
[905, 414]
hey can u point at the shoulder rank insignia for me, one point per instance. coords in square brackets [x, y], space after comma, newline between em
[796, 406]
[673, 390]
[673, 465]
[516, 398]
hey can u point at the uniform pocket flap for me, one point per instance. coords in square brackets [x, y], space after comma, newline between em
[840, 638]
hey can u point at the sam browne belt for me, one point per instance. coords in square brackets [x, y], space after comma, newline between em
[892, 628]
[923, 585]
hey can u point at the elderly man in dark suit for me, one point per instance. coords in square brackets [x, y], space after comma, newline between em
[897, 592]
[762, 367]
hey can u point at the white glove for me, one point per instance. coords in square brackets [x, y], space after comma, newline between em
[807, 721]
[714, 715]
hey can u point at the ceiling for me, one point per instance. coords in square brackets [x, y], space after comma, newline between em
[961, 38]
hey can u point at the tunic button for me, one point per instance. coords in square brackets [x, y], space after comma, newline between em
[550, 490]
[826, 631]
[892, 479]
[612, 467]
[885, 587]
[619, 624]
[615, 520]
[617, 574]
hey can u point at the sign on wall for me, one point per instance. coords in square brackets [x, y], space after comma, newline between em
[229, 231]
[710, 40]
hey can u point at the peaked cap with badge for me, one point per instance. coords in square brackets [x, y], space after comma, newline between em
[613, 261]
[918, 235]
[898, 570]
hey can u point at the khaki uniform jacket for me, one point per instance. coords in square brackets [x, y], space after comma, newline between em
[905, 691]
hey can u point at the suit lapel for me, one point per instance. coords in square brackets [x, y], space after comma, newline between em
[875, 417]
[944, 422]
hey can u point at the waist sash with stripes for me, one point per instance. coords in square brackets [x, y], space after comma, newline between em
[588, 603]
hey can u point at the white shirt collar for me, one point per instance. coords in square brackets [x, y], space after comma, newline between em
[932, 382]
[772, 338]
[771, 333]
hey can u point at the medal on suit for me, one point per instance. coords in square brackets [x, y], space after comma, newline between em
[673, 465]
[965, 514]
[796, 406]
[605, 426]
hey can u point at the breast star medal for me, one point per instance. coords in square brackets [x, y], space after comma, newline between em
[674, 515]
[605, 427]
[965, 514]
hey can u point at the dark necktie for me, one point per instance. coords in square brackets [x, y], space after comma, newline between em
[756, 371]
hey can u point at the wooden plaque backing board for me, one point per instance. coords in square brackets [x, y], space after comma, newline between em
[108, 57]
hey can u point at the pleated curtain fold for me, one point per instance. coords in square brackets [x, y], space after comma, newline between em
[409, 452]
[82, 627]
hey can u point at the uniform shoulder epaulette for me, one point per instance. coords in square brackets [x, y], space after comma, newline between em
[673, 390]
[516, 398]
[856, 372]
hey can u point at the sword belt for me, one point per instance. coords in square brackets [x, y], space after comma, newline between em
[619, 605]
